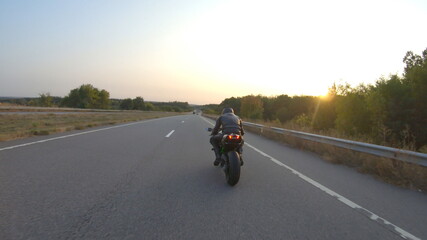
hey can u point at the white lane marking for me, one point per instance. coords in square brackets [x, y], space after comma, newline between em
[207, 121]
[381, 221]
[169, 134]
[395, 229]
[182, 121]
[73, 135]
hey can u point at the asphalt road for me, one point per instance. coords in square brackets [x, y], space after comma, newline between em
[155, 180]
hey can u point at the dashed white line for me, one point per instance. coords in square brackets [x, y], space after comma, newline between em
[381, 221]
[169, 134]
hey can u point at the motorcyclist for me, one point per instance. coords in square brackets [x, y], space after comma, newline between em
[228, 122]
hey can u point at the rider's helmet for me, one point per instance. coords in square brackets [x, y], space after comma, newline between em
[227, 110]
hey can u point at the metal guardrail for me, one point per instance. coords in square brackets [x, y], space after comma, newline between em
[387, 152]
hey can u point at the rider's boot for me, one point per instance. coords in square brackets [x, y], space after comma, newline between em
[217, 156]
[240, 154]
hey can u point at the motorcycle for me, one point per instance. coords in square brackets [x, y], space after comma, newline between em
[230, 150]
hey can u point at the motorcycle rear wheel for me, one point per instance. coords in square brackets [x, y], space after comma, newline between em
[232, 173]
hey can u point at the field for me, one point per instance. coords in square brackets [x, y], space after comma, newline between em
[27, 122]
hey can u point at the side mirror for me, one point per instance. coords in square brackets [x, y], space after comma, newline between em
[209, 129]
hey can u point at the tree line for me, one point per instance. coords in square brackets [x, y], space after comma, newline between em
[89, 97]
[391, 112]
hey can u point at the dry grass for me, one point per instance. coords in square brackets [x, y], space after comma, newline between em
[330, 132]
[6, 107]
[388, 170]
[15, 126]
[392, 171]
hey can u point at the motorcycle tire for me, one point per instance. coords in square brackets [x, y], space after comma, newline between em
[233, 170]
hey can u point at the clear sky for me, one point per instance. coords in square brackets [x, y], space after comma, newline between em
[203, 51]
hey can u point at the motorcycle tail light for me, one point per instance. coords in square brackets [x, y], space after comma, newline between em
[233, 137]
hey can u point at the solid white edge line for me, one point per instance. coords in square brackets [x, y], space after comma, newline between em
[372, 216]
[73, 135]
[207, 121]
[169, 134]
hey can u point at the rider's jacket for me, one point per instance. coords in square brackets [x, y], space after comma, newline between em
[229, 123]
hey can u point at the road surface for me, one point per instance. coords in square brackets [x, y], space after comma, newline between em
[155, 180]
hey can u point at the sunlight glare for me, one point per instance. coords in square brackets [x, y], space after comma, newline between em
[256, 53]
[278, 47]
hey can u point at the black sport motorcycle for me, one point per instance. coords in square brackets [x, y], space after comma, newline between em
[230, 150]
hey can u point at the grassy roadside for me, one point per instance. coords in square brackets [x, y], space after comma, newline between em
[18, 108]
[16, 126]
[389, 170]
[392, 171]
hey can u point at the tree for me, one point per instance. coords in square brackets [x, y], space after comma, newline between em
[252, 107]
[126, 104]
[391, 107]
[87, 96]
[45, 100]
[138, 103]
[103, 100]
[415, 75]
[393, 111]
[280, 108]
[302, 105]
[173, 106]
[211, 109]
[149, 106]
[232, 102]
[352, 114]
[269, 111]
[324, 114]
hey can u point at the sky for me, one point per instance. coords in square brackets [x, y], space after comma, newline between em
[203, 51]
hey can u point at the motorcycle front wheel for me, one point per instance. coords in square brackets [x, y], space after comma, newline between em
[232, 173]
